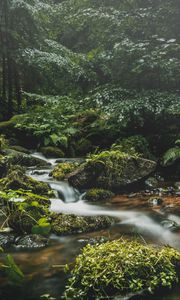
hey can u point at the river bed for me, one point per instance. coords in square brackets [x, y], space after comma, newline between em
[44, 268]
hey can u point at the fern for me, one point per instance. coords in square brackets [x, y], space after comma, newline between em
[171, 156]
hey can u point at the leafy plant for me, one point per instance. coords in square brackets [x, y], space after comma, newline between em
[171, 156]
[121, 267]
[42, 227]
[12, 271]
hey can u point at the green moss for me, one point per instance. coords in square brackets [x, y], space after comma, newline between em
[63, 169]
[98, 195]
[19, 148]
[25, 196]
[52, 152]
[16, 179]
[68, 224]
[121, 267]
[111, 163]
[107, 156]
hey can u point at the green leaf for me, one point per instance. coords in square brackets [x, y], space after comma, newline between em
[13, 272]
[55, 138]
[43, 227]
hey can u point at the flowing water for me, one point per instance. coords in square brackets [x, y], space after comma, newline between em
[44, 268]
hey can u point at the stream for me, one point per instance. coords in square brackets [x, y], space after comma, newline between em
[44, 268]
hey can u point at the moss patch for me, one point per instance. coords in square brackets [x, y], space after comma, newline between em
[67, 224]
[24, 196]
[121, 267]
[63, 169]
[98, 195]
[16, 179]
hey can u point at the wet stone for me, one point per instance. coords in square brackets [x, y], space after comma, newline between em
[151, 182]
[39, 172]
[93, 241]
[155, 201]
[31, 241]
[169, 224]
[132, 195]
[6, 240]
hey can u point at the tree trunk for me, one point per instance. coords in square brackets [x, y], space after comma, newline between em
[10, 87]
[17, 89]
[4, 78]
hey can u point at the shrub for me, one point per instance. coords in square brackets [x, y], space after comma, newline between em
[171, 155]
[121, 267]
[134, 144]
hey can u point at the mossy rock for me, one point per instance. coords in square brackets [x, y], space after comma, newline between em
[63, 169]
[23, 196]
[26, 160]
[33, 198]
[20, 149]
[112, 170]
[63, 224]
[98, 195]
[119, 268]
[52, 152]
[16, 179]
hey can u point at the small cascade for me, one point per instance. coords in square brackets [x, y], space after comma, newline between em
[62, 189]
[51, 161]
[65, 192]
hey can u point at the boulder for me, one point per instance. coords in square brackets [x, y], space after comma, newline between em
[20, 149]
[63, 224]
[23, 159]
[16, 179]
[6, 240]
[111, 170]
[52, 152]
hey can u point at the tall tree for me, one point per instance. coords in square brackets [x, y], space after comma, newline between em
[18, 30]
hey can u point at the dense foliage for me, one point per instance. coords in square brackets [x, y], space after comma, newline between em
[120, 268]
